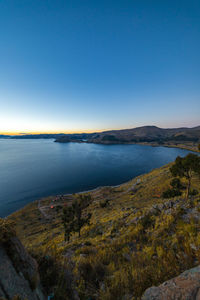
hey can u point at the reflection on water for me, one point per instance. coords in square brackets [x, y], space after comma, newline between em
[30, 169]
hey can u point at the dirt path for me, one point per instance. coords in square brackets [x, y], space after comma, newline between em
[41, 209]
[46, 216]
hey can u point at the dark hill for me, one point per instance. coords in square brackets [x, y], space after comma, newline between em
[144, 134]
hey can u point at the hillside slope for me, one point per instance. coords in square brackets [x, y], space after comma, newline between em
[135, 238]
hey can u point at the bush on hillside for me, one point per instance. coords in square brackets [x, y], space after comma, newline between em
[6, 230]
[175, 190]
[170, 193]
[193, 192]
[104, 203]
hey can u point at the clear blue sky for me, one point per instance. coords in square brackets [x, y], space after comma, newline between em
[90, 65]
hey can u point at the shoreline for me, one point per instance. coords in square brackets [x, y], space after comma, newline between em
[152, 144]
[173, 146]
[70, 194]
[105, 186]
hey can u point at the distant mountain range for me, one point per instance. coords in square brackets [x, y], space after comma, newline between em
[136, 135]
[144, 134]
[33, 136]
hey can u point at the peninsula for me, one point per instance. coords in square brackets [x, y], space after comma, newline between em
[187, 138]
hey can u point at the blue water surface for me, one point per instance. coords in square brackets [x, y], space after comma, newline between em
[31, 169]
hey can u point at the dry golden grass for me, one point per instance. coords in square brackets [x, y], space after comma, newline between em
[116, 255]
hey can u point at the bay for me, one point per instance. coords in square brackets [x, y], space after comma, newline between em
[31, 169]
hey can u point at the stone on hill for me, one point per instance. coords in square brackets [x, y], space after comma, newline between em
[18, 272]
[186, 286]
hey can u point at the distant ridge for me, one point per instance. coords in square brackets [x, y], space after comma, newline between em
[182, 137]
[136, 135]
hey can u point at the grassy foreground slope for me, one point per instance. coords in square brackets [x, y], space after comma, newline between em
[135, 239]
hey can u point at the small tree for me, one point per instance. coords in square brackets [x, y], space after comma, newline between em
[186, 167]
[68, 222]
[73, 218]
[78, 207]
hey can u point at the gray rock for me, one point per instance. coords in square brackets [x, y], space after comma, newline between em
[18, 272]
[153, 211]
[186, 286]
[102, 286]
[83, 255]
[158, 207]
[168, 211]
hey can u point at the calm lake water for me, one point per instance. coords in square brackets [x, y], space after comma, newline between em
[31, 169]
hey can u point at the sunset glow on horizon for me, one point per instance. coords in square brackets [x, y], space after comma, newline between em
[73, 66]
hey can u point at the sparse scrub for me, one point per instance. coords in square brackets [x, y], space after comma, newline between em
[104, 203]
[55, 276]
[175, 190]
[140, 241]
[7, 230]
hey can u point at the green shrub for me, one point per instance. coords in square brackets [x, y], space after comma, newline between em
[147, 221]
[176, 184]
[104, 203]
[170, 193]
[193, 192]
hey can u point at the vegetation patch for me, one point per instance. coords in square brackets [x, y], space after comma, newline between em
[138, 240]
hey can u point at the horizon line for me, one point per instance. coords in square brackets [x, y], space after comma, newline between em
[13, 133]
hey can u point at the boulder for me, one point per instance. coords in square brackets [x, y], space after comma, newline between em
[18, 272]
[183, 287]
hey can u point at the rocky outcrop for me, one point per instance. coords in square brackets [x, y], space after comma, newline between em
[183, 287]
[18, 272]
